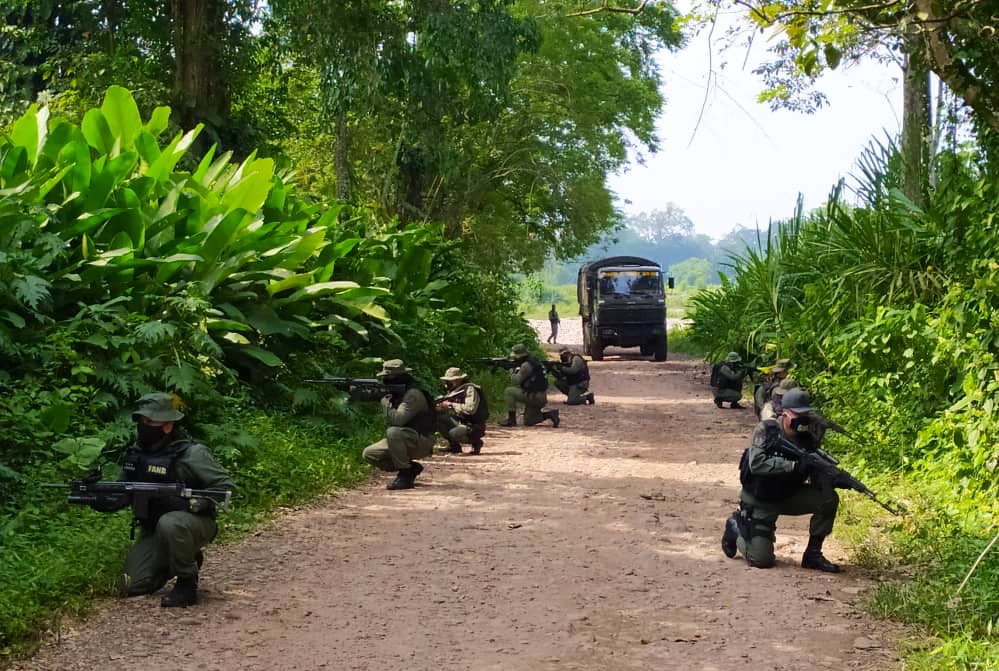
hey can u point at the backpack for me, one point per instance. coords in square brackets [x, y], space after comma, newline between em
[716, 378]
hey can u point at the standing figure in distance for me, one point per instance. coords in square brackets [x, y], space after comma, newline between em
[176, 529]
[411, 425]
[462, 413]
[774, 484]
[572, 378]
[529, 388]
[726, 380]
[554, 321]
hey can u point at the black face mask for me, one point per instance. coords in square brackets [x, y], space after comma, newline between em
[801, 424]
[149, 436]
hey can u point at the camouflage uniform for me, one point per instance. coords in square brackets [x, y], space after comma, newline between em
[463, 419]
[772, 408]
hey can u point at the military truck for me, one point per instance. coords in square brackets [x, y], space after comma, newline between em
[622, 303]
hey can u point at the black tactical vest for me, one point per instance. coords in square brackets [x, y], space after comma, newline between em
[157, 467]
[538, 381]
[778, 486]
[581, 376]
[481, 413]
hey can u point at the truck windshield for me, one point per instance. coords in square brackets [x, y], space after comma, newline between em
[630, 284]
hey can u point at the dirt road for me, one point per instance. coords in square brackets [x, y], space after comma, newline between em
[592, 546]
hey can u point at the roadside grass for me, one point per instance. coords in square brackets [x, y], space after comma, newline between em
[564, 297]
[678, 340]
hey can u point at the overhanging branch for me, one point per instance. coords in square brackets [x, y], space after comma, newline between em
[605, 6]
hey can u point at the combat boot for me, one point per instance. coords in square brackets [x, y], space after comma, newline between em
[718, 403]
[590, 398]
[404, 479]
[814, 559]
[730, 535]
[511, 419]
[552, 415]
[183, 594]
[736, 405]
[452, 448]
[476, 446]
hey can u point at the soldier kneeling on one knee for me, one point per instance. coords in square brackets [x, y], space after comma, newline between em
[530, 388]
[462, 413]
[774, 484]
[572, 378]
[411, 425]
[175, 529]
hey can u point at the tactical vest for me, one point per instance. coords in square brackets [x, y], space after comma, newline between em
[157, 467]
[425, 423]
[581, 376]
[538, 381]
[481, 413]
[775, 487]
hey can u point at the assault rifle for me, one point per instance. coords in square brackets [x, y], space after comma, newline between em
[111, 495]
[825, 465]
[363, 389]
[551, 367]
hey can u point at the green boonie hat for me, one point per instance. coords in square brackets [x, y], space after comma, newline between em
[518, 352]
[783, 363]
[797, 400]
[159, 407]
[393, 367]
[565, 350]
[733, 357]
[452, 374]
[786, 385]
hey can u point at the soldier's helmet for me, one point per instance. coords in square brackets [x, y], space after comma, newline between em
[393, 367]
[158, 407]
[454, 374]
[797, 400]
[518, 352]
[733, 357]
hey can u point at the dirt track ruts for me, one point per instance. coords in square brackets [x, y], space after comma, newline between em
[593, 546]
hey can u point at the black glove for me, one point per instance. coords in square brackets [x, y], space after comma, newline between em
[842, 481]
[808, 463]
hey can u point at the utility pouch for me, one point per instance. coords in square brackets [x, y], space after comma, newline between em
[745, 521]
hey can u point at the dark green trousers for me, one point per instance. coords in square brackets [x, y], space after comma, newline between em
[819, 500]
[170, 550]
[574, 392]
[400, 447]
[533, 403]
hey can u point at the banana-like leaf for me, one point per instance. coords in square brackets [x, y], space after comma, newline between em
[317, 290]
[250, 191]
[30, 130]
[293, 282]
[97, 131]
[122, 116]
[263, 356]
[158, 121]
[164, 165]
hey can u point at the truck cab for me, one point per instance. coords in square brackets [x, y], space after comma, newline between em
[622, 303]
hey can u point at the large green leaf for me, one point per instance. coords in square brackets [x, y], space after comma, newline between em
[250, 191]
[97, 131]
[263, 356]
[30, 130]
[164, 165]
[122, 116]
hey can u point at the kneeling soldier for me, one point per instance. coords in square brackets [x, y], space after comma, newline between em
[726, 380]
[530, 388]
[573, 378]
[774, 484]
[463, 412]
[175, 528]
[410, 432]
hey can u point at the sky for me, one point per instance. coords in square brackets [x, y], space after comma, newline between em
[746, 164]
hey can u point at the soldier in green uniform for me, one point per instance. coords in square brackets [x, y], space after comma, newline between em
[411, 425]
[573, 378]
[772, 408]
[775, 485]
[171, 538]
[463, 413]
[726, 380]
[530, 389]
[776, 374]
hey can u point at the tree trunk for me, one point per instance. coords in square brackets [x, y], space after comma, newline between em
[342, 157]
[200, 90]
[916, 129]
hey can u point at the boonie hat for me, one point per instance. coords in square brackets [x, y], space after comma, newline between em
[518, 352]
[733, 357]
[452, 374]
[393, 367]
[159, 407]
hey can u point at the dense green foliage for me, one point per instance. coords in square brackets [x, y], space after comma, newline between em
[489, 117]
[130, 264]
[889, 311]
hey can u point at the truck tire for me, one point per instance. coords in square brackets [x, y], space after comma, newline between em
[660, 349]
[597, 350]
